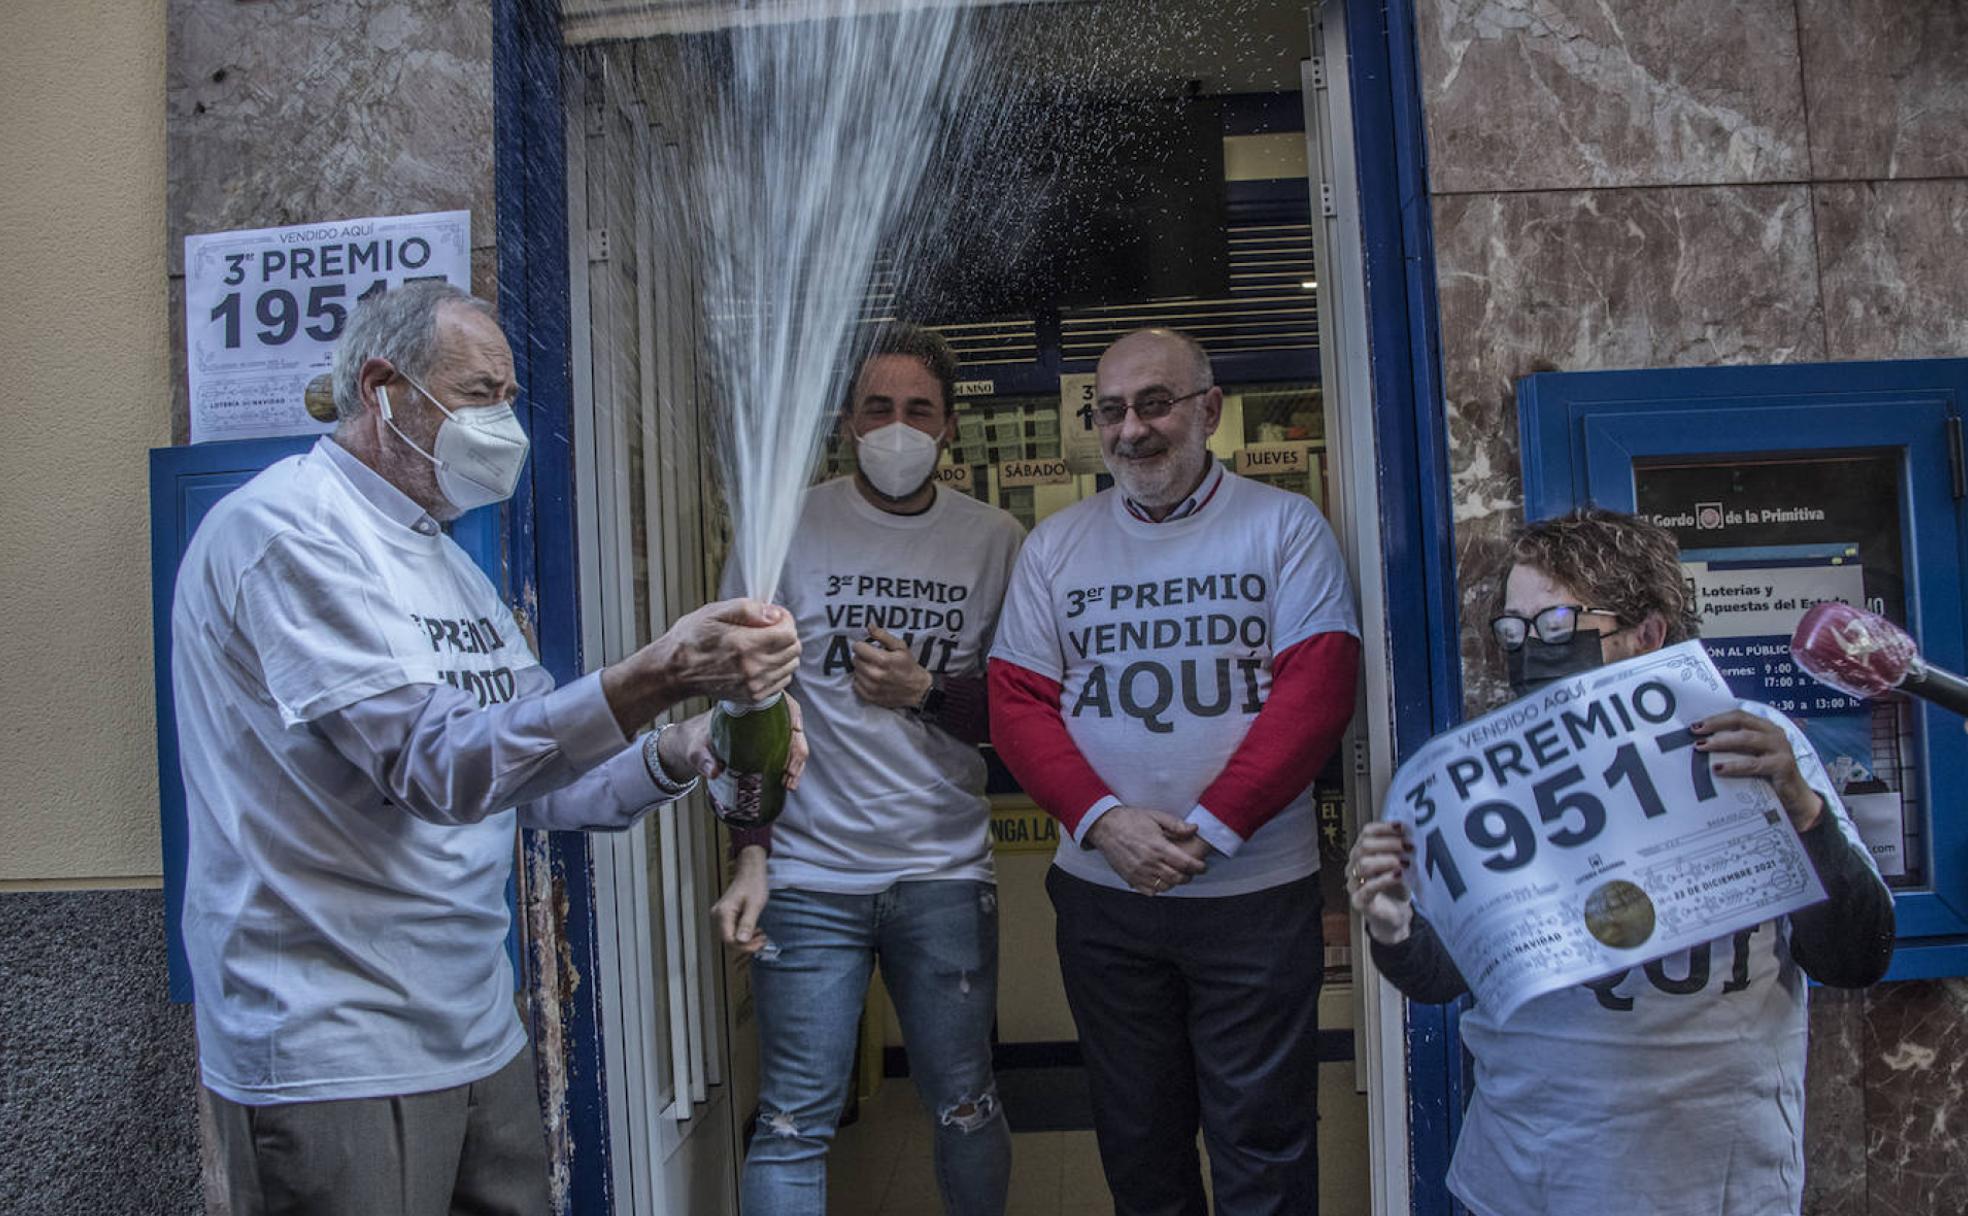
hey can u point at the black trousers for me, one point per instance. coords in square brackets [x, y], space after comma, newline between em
[1198, 1010]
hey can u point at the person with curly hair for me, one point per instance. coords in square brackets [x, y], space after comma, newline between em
[1676, 1088]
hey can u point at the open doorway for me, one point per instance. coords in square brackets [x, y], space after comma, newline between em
[1224, 95]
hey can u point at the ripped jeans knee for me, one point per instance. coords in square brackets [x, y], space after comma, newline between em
[781, 1135]
[969, 1114]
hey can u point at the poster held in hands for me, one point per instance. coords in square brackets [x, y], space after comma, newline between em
[1578, 831]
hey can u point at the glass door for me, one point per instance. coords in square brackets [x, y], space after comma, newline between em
[1380, 1022]
[648, 552]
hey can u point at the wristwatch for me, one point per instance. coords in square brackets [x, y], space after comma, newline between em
[932, 701]
[652, 760]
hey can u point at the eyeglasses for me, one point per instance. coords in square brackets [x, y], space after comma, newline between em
[1153, 404]
[1553, 626]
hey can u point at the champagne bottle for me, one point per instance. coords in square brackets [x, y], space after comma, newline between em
[754, 742]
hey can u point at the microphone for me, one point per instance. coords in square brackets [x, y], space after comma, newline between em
[1862, 654]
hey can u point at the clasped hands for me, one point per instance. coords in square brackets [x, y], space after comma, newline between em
[1151, 850]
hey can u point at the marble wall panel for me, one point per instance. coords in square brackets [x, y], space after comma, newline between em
[180, 381]
[1886, 82]
[1834, 1105]
[1544, 94]
[1583, 280]
[1895, 265]
[1917, 1098]
[324, 109]
[328, 109]
[1531, 102]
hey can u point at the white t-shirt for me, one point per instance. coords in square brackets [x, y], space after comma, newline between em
[1677, 1087]
[1162, 637]
[886, 797]
[340, 947]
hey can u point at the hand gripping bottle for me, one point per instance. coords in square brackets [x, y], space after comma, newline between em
[754, 742]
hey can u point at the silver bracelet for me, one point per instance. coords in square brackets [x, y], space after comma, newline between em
[653, 761]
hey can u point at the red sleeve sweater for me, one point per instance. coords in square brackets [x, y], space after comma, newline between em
[1310, 702]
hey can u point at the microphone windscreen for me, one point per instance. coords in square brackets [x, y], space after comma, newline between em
[1859, 653]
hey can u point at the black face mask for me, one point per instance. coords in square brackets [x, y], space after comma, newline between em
[1537, 663]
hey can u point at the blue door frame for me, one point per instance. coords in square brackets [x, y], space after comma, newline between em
[530, 165]
[1584, 432]
[542, 568]
[1417, 529]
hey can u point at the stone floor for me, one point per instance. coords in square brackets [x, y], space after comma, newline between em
[880, 1164]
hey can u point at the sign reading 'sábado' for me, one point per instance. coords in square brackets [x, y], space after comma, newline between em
[1578, 831]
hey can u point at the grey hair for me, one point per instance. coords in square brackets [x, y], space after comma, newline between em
[1198, 357]
[399, 327]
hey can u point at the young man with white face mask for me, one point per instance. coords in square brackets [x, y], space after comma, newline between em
[883, 853]
[363, 726]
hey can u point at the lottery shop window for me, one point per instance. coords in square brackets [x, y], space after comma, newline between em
[1765, 537]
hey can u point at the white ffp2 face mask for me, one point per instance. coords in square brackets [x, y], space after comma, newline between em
[897, 459]
[479, 451]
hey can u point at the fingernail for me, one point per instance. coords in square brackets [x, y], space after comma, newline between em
[744, 935]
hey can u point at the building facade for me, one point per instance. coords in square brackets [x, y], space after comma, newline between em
[1676, 184]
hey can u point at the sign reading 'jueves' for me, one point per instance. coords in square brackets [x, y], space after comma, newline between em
[1271, 459]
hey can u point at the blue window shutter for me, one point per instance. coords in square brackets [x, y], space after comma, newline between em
[1584, 433]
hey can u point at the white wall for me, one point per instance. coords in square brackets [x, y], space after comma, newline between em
[84, 331]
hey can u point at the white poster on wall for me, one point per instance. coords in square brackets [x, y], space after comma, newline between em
[1079, 439]
[1578, 831]
[264, 308]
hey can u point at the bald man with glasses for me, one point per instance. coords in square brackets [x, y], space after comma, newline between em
[1174, 664]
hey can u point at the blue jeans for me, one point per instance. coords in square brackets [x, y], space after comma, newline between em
[937, 942]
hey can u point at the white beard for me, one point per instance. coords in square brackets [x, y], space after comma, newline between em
[1162, 485]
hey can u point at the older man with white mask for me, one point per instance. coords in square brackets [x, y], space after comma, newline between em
[1175, 663]
[363, 727]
